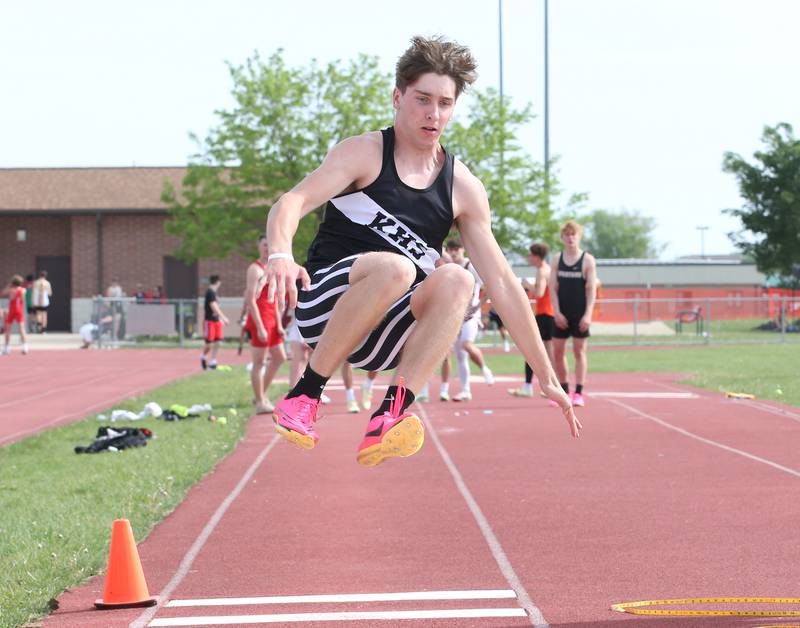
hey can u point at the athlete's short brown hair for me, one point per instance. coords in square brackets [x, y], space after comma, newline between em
[571, 226]
[17, 281]
[539, 249]
[439, 56]
[453, 244]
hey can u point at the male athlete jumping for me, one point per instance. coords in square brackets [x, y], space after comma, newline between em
[372, 293]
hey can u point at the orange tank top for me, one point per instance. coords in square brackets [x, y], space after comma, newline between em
[545, 305]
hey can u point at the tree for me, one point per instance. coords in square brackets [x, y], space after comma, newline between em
[771, 190]
[522, 211]
[283, 123]
[612, 235]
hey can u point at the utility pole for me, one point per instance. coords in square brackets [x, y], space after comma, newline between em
[546, 104]
[702, 231]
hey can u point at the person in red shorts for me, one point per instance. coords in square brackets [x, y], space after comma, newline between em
[16, 312]
[214, 324]
[265, 328]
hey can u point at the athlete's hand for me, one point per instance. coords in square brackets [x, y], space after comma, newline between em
[281, 277]
[561, 321]
[585, 322]
[262, 334]
[554, 391]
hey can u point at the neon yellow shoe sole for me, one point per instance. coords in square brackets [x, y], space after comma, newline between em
[300, 440]
[400, 441]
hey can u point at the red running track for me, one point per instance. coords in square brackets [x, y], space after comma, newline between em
[48, 388]
[693, 496]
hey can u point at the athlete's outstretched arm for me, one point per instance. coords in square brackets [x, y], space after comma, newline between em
[590, 272]
[471, 206]
[346, 164]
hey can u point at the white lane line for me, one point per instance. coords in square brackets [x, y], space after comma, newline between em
[645, 395]
[758, 405]
[787, 414]
[488, 594]
[200, 541]
[707, 441]
[223, 620]
[534, 614]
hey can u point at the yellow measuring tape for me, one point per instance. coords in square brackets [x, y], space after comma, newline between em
[635, 607]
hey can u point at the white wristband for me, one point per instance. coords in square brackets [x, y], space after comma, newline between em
[280, 256]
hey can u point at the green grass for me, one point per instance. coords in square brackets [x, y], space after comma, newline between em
[57, 507]
[762, 370]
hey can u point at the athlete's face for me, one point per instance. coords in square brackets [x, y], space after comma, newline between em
[571, 239]
[535, 260]
[425, 108]
[456, 255]
[263, 248]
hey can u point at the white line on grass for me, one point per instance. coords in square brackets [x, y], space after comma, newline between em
[534, 614]
[488, 594]
[707, 441]
[200, 541]
[645, 395]
[342, 616]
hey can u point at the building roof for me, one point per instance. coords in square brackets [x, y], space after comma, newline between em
[85, 190]
[682, 272]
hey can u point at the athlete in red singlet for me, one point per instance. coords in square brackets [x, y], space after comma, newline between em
[266, 331]
[16, 312]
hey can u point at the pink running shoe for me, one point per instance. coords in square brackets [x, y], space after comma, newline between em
[391, 434]
[294, 420]
[577, 400]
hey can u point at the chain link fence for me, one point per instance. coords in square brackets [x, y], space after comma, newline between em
[639, 321]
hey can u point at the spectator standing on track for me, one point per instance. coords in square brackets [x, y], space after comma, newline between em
[372, 292]
[264, 326]
[545, 319]
[573, 288]
[115, 293]
[42, 294]
[213, 324]
[464, 346]
[15, 292]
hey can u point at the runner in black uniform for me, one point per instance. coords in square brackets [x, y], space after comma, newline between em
[573, 291]
[372, 292]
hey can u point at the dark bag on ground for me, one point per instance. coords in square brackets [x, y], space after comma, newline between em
[116, 439]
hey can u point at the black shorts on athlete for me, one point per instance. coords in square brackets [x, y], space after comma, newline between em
[494, 317]
[381, 349]
[572, 329]
[546, 325]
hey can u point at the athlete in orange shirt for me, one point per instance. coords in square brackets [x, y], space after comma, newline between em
[545, 318]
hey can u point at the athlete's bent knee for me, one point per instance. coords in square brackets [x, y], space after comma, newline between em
[456, 280]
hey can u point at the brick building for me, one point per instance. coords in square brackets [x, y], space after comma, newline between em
[88, 225]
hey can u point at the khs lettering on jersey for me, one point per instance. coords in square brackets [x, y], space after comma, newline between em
[389, 226]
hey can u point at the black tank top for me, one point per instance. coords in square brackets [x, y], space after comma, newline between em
[387, 215]
[571, 288]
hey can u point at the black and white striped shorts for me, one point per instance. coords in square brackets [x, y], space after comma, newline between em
[382, 347]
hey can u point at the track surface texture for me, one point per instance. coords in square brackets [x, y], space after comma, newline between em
[45, 389]
[675, 495]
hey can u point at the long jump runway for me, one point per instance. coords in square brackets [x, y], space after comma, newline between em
[501, 520]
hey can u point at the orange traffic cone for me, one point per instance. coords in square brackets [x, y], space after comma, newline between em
[125, 584]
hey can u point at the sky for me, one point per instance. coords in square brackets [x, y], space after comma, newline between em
[645, 97]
